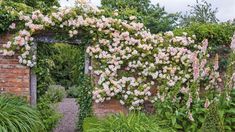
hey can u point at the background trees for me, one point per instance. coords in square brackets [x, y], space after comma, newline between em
[202, 12]
[153, 16]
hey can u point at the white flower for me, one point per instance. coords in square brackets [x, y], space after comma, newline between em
[132, 18]
[122, 102]
[12, 26]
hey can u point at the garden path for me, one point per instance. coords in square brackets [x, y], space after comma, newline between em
[69, 109]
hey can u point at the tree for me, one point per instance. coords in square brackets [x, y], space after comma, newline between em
[202, 12]
[153, 16]
[37, 4]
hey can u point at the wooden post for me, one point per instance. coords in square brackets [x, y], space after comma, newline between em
[33, 80]
[33, 88]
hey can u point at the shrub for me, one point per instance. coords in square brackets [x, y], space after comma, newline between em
[218, 35]
[55, 93]
[69, 64]
[73, 91]
[17, 116]
[133, 122]
[47, 113]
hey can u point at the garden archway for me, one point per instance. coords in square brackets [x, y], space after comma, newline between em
[30, 91]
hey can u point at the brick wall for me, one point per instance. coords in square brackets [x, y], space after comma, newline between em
[14, 77]
[112, 106]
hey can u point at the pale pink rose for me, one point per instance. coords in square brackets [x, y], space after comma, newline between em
[12, 26]
[34, 16]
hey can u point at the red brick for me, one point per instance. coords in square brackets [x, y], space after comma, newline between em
[108, 107]
[14, 77]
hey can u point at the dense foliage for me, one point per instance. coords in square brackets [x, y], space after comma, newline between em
[48, 114]
[9, 13]
[229, 113]
[213, 120]
[9, 10]
[218, 35]
[16, 115]
[69, 64]
[154, 17]
[85, 102]
[55, 93]
[59, 64]
[133, 122]
[43, 68]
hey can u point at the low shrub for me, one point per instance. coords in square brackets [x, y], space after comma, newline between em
[48, 113]
[133, 122]
[17, 116]
[73, 91]
[55, 93]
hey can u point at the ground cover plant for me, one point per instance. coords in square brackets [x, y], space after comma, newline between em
[48, 114]
[133, 122]
[17, 115]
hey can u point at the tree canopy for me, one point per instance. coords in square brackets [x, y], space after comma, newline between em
[153, 16]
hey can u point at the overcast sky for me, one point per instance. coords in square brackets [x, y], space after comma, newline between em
[226, 7]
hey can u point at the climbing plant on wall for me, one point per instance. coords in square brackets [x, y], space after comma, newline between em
[129, 61]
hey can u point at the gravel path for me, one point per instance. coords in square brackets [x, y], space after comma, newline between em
[69, 109]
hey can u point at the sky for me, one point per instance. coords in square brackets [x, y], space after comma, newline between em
[226, 7]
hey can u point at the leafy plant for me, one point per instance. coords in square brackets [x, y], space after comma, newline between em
[154, 17]
[69, 66]
[55, 93]
[9, 10]
[227, 107]
[176, 115]
[43, 68]
[48, 113]
[73, 91]
[84, 101]
[213, 121]
[17, 116]
[218, 35]
[133, 122]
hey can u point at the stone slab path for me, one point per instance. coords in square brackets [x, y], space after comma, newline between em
[69, 109]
